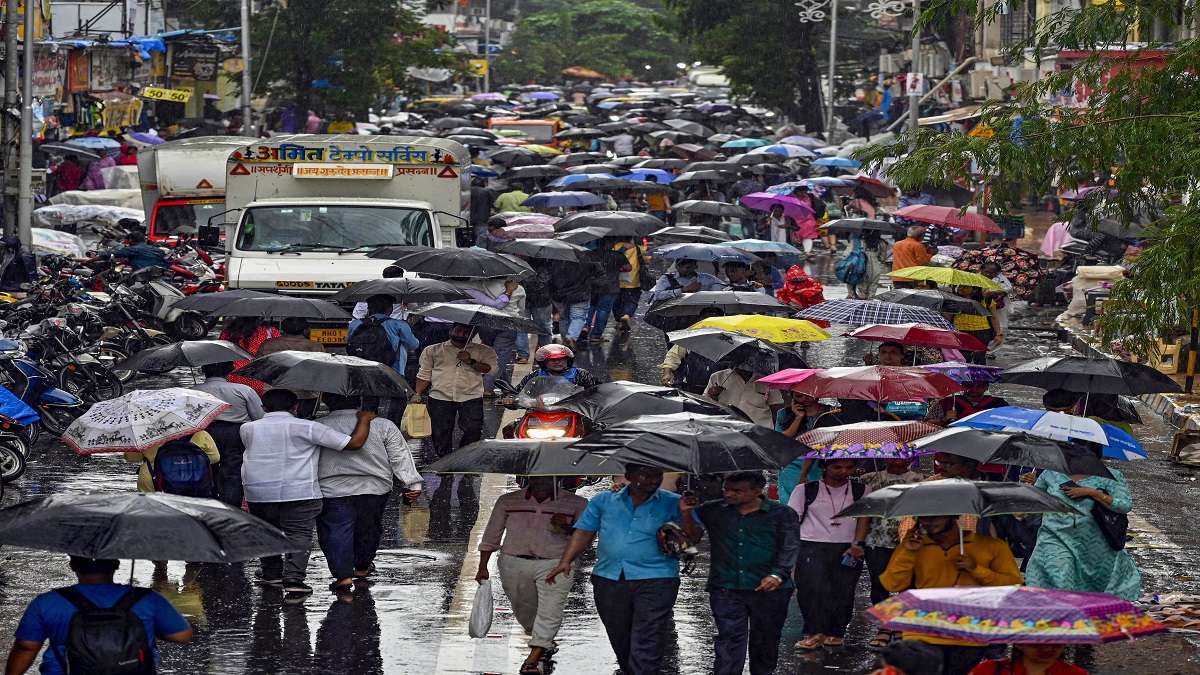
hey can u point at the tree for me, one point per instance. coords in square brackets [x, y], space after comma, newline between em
[763, 48]
[618, 38]
[1134, 123]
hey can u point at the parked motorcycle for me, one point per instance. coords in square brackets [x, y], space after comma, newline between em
[35, 385]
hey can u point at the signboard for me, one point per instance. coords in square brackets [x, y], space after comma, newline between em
[49, 73]
[78, 71]
[914, 84]
[982, 130]
[198, 62]
[164, 94]
[478, 67]
[109, 68]
[118, 114]
[294, 152]
[350, 171]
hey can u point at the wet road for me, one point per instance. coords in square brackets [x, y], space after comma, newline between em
[413, 620]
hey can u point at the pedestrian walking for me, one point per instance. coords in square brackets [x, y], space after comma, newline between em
[738, 388]
[884, 536]
[754, 543]
[683, 279]
[831, 553]
[802, 414]
[503, 294]
[606, 287]
[244, 406]
[982, 327]
[176, 471]
[806, 228]
[355, 487]
[451, 373]
[52, 616]
[571, 292]
[295, 338]
[540, 307]
[634, 277]
[379, 337]
[876, 252]
[776, 226]
[634, 582]
[536, 523]
[280, 477]
[910, 252]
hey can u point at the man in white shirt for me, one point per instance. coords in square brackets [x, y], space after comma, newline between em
[399, 310]
[244, 406]
[739, 388]
[279, 475]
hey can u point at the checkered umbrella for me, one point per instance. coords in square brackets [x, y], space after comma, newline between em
[865, 312]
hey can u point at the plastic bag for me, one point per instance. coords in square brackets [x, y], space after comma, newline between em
[481, 611]
[415, 422]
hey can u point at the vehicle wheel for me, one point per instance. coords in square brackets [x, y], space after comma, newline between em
[12, 463]
[108, 356]
[188, 326]
[56, 418]
[91, 386]
[30, 435]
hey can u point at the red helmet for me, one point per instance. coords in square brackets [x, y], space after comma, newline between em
[551, 352]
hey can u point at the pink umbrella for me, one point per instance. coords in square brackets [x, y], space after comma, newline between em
[1055, 237]
[523, 218]
[919, 335]
[948, 216]
[789, 376]
[868, 383]
[765, 201]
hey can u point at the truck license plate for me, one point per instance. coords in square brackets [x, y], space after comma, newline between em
[328, 336]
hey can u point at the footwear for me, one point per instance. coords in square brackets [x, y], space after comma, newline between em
[528, 668]
[833, 642]
[335, 587]
[274, 583]
[297, 588]
[596, 340]
[363, 577]
[623, 324]
[522, 359]
[811, 643]
[881, 640]
[583, 334]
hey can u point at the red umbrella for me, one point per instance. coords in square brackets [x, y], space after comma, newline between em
[948, 216]
[920, 335]
[874, 186]
[868, 383]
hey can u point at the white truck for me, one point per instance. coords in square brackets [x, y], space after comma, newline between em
[183, 183]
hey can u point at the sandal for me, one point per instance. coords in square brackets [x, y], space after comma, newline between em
[833, 642]
[528, 668]
[363, 577]
[811, 643]
[882, 639]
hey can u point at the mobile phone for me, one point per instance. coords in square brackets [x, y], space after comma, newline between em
[1068, 485]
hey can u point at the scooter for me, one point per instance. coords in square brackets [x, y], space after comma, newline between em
[35, 385]
[540, 420]
[161, 298]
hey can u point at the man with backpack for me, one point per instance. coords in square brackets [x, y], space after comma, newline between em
[95, 626]
[184, 466]
[380, 338]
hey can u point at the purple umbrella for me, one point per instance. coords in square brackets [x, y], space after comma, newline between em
[966, 372]
[765, 201]
[489, 97]
[148, 139]
[543, 96]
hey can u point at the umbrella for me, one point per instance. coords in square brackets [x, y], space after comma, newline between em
[715, 344]
[721, 165]
[550, 200]
[682, 311]
[704, 176]
[945, 276]
[1058, 426]
[483, 172]
[584, 235]
[770, 328]
[860, 225]
[714, 253]
[329, 373]
[689, 127]
[470, 131]
[1015, 448]
[525, 457]
[919, 335]
[577, 158]
[402, 288]
[966, 372]
[192, 354]
[534, 172]
[863, 312]
[543, 249]
[837, 162]
[760, 247]
[747, 143]
[874, 185]
[543, 96]
[1015, 615]
[613, 402]
[711, 208]
[866, 440]
[948, 216]
[696, 234]
[282, 306]
[454, 262]
[672, 135]
[725, 138]
[581, 181]
[662, 163]
[1082, 374]
[753, 158]
[765, 201]
[867, 383]
[935, 300]
[210, 302]
[788, 151]
[488, 97]
[618, 223]
[650, 175]
[953, 497]
[142, 419]
[64, 149]
[450, 123]
[579, 133]
[531, 230]
[804, 142]
[595, 171]
[694, 444]
[94, 143]
[473, 140]
[478, 315]
[630, 161]
[114, 525]
[523, 218]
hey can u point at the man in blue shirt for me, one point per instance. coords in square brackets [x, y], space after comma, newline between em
[140, 254]
[400, 335]
[634, 582]
[48, 617]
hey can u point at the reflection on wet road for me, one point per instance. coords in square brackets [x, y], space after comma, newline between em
[412, 620]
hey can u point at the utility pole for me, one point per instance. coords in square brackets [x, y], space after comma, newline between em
[25, 179]
[487, 46]
[914, 95]
[8, 153]
[247, 83]
[832, 66]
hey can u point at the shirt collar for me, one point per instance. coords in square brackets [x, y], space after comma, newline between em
[624, 494]
[278, 413]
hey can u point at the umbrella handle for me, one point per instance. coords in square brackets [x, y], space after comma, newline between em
[961, 549]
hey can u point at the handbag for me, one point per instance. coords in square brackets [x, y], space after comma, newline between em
[1113, 526]
[416, 423]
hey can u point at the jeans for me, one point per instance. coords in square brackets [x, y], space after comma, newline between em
[542, 316]
[627, 302]
[598, 313]
[537, 605]
[825, 588]
[296, 519]
[753, 618]
[504, 343]
[444, 415]
[635, 615]
[348, 530]
[576, 316]
[228, 471]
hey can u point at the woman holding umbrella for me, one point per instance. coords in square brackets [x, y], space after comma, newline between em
[982, 327]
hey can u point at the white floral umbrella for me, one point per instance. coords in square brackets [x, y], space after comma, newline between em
[142, 419]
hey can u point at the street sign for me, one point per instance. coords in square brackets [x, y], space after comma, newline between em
[164, 94]
[914, 84]
[478, 67]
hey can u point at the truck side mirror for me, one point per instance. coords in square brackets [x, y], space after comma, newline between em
[463, 237]
[209, 235]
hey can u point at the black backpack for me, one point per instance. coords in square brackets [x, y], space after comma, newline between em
[107, 640]
[371, 342]
[813, 488]
[181, 468]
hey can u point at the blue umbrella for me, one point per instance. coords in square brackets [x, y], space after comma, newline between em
[543, 96]
[840, 162]
[789, 151]
[483, 172]
[564, 181]
[746, 143]
[563, 200]
[1058, 426]
[660, 176]
[94, 143]
[702, 252]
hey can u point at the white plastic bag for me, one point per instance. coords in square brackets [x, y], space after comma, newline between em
[482, 610]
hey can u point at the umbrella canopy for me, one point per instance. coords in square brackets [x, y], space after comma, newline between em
[513, 218]
[759, 246]
[404, 289]
[864, 312]
[747, 143]
[695, 234]
[945, 276]
[1015, 615]
[1015, 448]
[580, 181]
[525, 457]
[656, 175]
[584, 235]
[867, 383]
[94, 143]
[851, 225]
[142, 419]
[692, 128]
[771, 328]
[140, 526]
[788, 151]
[934, 299]
[193, 353]
[962, 372]
[618, 223]
[866, 440]
[534, 172]
[1097, 376]
[715, 344]
[714, 253]
[563, 200]
[64, 149]
[577, 158]
[1058, 426]
[874, 185]
[580, 133]
[837, 162]
[804, 141]
[282, 306]
[543, 249]
[949, 216]
[694, 444]
[706, 176]
[681, 312]
[765, 201]
[213, 302]
[613, 402]
[662, 163]
[477, 315]
[454, 262]
[329, 373]
[920, 335]
[711, 208]
[953, 497]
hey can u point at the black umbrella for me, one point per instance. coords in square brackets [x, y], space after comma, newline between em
[584, 235]
[208, 302]
[525, 457]
[543, 249]
[716, 344]
[626, 162]
[618, 223]
[683, 311]
[690, 233]
[608, 169]
[64, 149]
[450, 123]
[403, 288]
[282, 306]
[727, 166]
[759, 158]
[470, 131]
[478, 315]
[667, 163]
[613, 402]
[1015, 448]
[934, 299]
[711, 208]
[534, 172]
[694, 444]
[509, 156]
[114, 525]
[648, 127]
[861, 225]
[329, 373]
[577, 158]
[1096, 376]
[594, 184]
[472, 141]
[191, 354]
[673, 136]
[615, 127]
[690, 127]
[454, 262]
[952, 497]
[706, 176]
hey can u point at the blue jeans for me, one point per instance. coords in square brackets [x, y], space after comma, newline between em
[504, 343]
[753, 618]
[627, 302]
[348, 530]
[576, 316]
[598, 313]
[542, 316]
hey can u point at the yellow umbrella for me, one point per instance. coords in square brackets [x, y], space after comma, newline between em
[542, 149]
[946, 276]
[769, 328]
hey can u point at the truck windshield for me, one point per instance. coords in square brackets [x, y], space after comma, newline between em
[275, 228]
[174, 219]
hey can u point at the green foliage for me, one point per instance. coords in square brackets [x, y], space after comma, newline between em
[1140, 131]
[616, 37]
